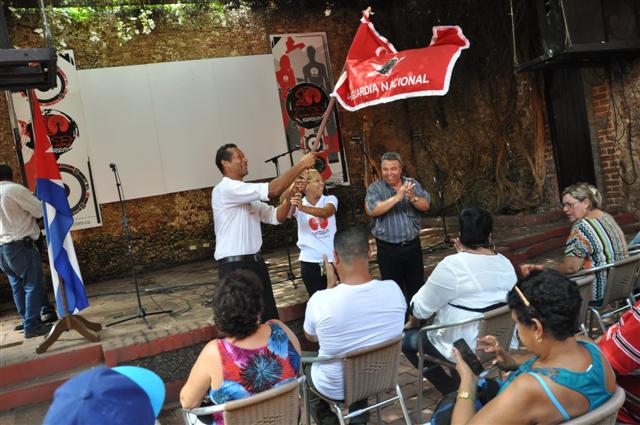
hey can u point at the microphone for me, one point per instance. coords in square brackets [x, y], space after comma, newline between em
[113, 166]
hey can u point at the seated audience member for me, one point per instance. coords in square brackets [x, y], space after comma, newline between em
[355, 312]
[565, 378]
[252, 358]
[123, 395]
[595, 238]
[462, 285]
[621, 345]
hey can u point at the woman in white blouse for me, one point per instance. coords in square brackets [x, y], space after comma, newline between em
[462, 285]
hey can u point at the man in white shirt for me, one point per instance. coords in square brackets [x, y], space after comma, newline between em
[357, 312]
[19, 257]
[238, 209]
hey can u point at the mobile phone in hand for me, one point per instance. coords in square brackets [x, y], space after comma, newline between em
[469, 356]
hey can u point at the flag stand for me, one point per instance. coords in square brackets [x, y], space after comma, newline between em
[67, 323]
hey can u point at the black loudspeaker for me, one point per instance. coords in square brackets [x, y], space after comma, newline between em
[621, 20]
[23, 69]
[580, 31]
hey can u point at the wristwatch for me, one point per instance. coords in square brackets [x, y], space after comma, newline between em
[466, 395]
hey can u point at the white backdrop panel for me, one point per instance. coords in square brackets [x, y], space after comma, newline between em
[250, 111]
[162, 123]
[186, 117]
[119, 117]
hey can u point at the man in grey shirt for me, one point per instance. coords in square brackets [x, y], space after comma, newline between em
[395, 203]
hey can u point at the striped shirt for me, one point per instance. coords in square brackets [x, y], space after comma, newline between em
[598, 241]
[402, 222]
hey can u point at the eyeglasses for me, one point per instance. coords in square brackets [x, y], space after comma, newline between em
[569, 204]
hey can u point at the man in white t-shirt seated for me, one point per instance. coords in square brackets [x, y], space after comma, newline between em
[355, 312]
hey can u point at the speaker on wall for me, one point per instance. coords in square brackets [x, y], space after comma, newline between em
[581, 31]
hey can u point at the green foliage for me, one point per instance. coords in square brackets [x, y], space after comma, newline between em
[129, 20]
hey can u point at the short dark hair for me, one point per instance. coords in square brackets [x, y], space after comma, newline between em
[6, 173]
[223, 154]
[554, 300]
[475, 225]
[237, 303]
[352, 242]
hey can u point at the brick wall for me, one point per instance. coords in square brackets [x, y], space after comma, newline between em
[613, 102]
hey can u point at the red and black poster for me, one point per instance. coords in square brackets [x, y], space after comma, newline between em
[303, 75]
[65, 124]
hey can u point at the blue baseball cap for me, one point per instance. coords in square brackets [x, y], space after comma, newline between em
[123, 395]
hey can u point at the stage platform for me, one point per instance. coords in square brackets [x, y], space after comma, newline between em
[172, 341]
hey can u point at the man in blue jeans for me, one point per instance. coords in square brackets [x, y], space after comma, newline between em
[19, 257]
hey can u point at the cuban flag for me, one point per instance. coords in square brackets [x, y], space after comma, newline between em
[58, 220]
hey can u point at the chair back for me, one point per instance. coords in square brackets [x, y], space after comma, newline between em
[603, 415]
[621, 279]
[279, 405]
[496, 322]
[371, 370]
[585, 287]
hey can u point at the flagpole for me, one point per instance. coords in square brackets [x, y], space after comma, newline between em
[68, 321]
[332, 102]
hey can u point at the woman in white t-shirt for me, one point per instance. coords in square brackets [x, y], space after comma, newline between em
[462, 285]
[315, 214]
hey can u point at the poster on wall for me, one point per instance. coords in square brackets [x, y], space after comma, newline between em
[65, 123]
[303, 76]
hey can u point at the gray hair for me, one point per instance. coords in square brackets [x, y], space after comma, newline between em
[582, 191]
[391, 156]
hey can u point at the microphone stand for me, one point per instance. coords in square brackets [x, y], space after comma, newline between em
[290, 275]
[142, 314]
[438, 177]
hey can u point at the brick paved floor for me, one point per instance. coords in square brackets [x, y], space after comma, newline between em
[391, 415]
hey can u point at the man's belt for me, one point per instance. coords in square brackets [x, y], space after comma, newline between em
[27, 241]
[235, 258]
[403, 243]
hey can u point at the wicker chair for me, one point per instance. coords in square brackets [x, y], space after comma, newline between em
[277, 406]
[585, 287]
[497, 322]
[367, 372]
[621, 279]
[603, 415]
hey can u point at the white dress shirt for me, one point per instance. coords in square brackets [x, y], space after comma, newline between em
[237, 213]
[18, 212]
[463, 279]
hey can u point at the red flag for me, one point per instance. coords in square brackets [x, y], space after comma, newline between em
[376, 73]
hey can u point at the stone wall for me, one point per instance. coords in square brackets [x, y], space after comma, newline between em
[487, 135]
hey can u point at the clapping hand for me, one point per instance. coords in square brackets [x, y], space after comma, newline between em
[525, 269]
[406, 189]
[458, 245]
[332, 277]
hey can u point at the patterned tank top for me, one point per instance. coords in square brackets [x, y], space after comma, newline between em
[251, 371]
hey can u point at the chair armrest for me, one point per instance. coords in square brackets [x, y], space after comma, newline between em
[451, 324]
[591, 270]
[208, 410]
[319, 359]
